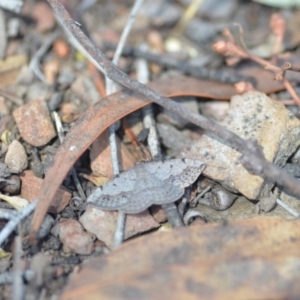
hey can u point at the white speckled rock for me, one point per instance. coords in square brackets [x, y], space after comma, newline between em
[252, 115]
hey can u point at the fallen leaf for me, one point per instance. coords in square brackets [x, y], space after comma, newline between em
[248, 259]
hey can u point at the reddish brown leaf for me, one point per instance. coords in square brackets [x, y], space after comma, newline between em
[247, 259]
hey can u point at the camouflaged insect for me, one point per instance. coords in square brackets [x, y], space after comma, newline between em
[147, 183]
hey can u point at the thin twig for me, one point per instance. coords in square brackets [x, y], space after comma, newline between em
[125, 33]
[35, 61]
[225, 75]
[139, 146]
[61, 136]
[170, 209]
[252, 157]
[227, 48]
[12, 224]
[195, 201]
[17, 284]
[73, 41]
[3, 34]
[111, 87]
[11, 98]
[288, 208]
[290, 67]
[7, 214]
[148, 119]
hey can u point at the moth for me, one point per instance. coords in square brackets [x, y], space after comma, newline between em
[147, 183]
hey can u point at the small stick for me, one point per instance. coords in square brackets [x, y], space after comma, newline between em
[7, 214]
[111, 87]
[120, 229]
[170, 209]
[17, 284]
[225, 75]
[148, 119]
[195, 201]
[288, 208]
[288, 66]
[35, 61]
[11, 97]
[188, 14]
[3, 34]
[12, 223]
[61, 136]
[140, 147]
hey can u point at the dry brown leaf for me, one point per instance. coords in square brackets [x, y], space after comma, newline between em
[247, 259]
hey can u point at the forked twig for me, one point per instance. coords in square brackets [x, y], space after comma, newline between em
[231, 48]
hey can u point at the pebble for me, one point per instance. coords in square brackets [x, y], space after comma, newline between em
[73, 236]
[103, 224]
[251, 115]
[216, 9]
[51, 70]
[172, 138]
[34, 123]
[101, 158]
[216, 110]
[169, 117]
[161, 13]
[16, 157]
[10, 185]
[4, 111]
[44, 16]
[61, 48]
[38, 90]
[31, 186]
[158, 213]
[55, 101]
[202, 31]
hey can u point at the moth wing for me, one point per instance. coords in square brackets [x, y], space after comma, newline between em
[185, 172]
[181, 172]
[114, 193]
[142, 199]
[108, 202]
